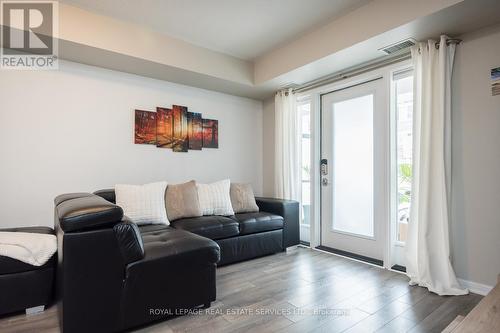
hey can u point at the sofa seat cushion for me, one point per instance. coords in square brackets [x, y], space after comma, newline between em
[146, 228]
[9, 265]
[213, 227]
[169, 245]
[251, 223]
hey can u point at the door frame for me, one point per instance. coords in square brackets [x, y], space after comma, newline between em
[314, 96]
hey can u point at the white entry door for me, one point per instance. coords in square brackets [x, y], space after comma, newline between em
[353, 170]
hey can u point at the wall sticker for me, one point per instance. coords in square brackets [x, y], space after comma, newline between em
[495, 81]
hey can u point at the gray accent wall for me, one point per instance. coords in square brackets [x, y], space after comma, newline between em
[475, 218]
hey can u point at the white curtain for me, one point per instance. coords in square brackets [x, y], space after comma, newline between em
[287, 146]
[427, 247]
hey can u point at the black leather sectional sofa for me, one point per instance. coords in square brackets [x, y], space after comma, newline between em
[113, 275]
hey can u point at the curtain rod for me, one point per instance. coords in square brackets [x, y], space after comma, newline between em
[353, 71]
[363, 68]
[452, 41]
[449, 41]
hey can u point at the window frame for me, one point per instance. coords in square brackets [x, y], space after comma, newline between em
[301, 101]
[395, 76]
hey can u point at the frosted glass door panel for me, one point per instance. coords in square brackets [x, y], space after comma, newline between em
[352, 166]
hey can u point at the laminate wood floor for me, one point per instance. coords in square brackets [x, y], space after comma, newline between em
[301, 290]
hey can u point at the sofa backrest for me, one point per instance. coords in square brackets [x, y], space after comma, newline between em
[84, 211]
[108, 194]
[288, 209]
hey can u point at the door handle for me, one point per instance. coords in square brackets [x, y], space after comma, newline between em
[324, 167]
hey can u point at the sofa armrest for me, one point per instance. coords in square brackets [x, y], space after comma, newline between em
[129, 240]
[289, 210]
[85, 211]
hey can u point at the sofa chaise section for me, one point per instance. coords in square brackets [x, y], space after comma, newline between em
[112, 276]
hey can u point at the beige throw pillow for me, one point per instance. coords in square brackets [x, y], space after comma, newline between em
[242, 198]
[181, 200]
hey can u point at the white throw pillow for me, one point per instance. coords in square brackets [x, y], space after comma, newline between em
[215, 198]
[143, 204]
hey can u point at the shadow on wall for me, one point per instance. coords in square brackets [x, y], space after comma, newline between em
[268, 147]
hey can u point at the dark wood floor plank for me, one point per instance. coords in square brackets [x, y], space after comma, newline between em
[376, 303]
[424, 307]
[446, 313]
[342, 323]
[397, 325]
[415, 295]
[380, 318]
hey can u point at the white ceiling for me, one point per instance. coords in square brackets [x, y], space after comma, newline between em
[242, 28]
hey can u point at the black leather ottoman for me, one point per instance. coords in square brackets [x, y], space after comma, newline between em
[23, 286]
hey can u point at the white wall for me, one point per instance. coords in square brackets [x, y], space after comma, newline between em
[268, 147]
[72, 130]
[475, 223]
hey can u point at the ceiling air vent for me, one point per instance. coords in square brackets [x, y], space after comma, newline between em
[401, 45]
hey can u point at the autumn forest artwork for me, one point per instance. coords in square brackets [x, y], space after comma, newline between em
[176, 128]
[145, 127]
[210, 133]
[195, 134]
[164, 125]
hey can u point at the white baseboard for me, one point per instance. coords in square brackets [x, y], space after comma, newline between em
[476, 288]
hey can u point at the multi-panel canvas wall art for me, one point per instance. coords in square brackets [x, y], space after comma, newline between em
[195, 133]
[176, 128]
[180, 129]
[210, 133]
[145, 127]
[164, 125]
